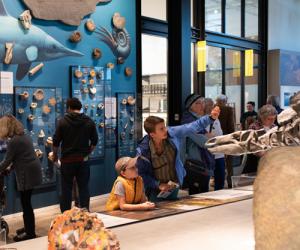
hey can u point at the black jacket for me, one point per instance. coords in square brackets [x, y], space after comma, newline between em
[27, 166]
[76, 133]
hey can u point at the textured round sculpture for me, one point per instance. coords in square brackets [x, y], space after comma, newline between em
[79, 229]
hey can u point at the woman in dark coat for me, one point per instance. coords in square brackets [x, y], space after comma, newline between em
[21, 157]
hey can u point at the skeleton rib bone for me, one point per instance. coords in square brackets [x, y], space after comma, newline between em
[253, 141]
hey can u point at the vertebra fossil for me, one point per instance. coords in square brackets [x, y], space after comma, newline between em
[253, 141]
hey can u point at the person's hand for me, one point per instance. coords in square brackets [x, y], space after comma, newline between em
[148, 205]
[209, 135]
[165, 187]
[215, 112]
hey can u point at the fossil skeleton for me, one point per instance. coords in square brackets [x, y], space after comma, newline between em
[253, 141]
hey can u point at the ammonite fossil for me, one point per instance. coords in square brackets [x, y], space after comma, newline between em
[33, 105]
[39, 153]
[130, 100]
[30, 117]
[90, 25]
[78, 73]
[100, 106]
[97, 53]
[46, 109]
[93, 90]
[124, 101]
[52, 101]
[92, 73]
[128, 71]
[39, 94]
[24, 95]
[20, 111]
[75, 37]
[110, 65]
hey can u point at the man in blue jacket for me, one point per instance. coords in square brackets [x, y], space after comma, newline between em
[159, 153]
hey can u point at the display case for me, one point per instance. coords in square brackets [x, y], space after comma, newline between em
[126, 124]
[91, 85]
[38, 108]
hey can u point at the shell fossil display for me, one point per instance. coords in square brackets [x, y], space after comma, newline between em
[100, 106]
[75, 37]
[93, 90]
[30, 117]
[78, 73]
[101, 124]
[49, 141]
[41, 134]
[96, 53]
[33, 105]
[52, 101]
[20, 111]
[118, 21]
[110, 65]
[46, 109]
[91, 82]
[119, 39]
[39, 153]
[128, 71]
[124, 101]
[39, 94]
[92, 73]
[24, 95]
[130, 100]
[90, 25]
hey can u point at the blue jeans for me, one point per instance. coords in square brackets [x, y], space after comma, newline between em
[81, 171]
[219, 173]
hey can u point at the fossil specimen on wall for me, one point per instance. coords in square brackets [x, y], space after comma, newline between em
[69, 11]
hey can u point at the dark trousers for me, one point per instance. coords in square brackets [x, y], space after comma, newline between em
[219, 173]
[229, 168]
[81, 171]
[196, 182]
[28, 215]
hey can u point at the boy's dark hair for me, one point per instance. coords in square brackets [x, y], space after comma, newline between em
[74, 104]
[151, 122]
[252, 103]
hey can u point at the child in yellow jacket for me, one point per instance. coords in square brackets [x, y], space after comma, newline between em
[128, 189]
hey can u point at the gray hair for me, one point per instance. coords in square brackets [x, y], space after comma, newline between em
[273, 100]
[266, 111]
[221, 99]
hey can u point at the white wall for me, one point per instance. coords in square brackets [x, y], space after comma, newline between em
[284, 20]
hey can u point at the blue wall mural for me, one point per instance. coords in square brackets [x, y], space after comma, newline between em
[55, 73]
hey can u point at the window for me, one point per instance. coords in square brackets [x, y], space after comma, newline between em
[213, 76]
[233, 17]
[154, 76]
[155, 9]
[251, 19]
[252, 83]
[213, 20]
[233, 81]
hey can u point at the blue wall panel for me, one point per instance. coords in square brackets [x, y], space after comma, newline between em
[56, 74]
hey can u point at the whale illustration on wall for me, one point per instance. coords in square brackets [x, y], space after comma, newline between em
[33, 45]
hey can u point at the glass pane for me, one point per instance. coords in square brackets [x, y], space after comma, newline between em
[213, 12]
[155, 9]
[252, 83]
[213, 75]
[154, 76]
[192, 13]
[251, 19]
[192, 66]
[233, 81]
[233, 17]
